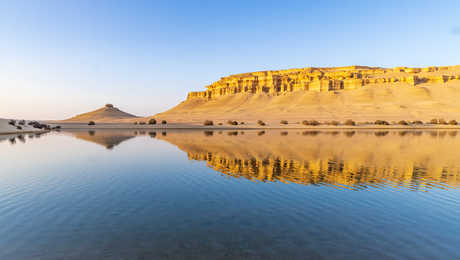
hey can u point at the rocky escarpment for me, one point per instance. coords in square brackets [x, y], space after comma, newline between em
[357, 92]
[324, 79]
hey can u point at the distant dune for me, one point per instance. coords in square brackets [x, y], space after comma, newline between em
[108, 113]
[357, 92]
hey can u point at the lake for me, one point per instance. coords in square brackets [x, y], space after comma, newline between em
[230, 194]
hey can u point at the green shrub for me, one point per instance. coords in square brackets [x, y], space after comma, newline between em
[142, 123]
[12, 122]
[208, 122]
[403, 122]
[381, 122]
[336, 123]
[311, 122]
[230, 122]
[135, 123]
[350, 122]
[260, 122]
[220, 124]
[417, 122]
[19, 127]
[442, 121]
[22, 122]
[91, 123]
[152, 121]
[453, 122]
[163, 122]
[284, 122]
[434, 121]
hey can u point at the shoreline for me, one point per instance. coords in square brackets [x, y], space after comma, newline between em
[74, 126]
[23, 132]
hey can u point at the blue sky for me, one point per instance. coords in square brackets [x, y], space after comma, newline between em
[59, 58]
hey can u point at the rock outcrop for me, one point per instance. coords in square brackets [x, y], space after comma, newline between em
[324, 79]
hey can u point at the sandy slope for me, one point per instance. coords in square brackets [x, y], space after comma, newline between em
[396, 102]
[104, 114]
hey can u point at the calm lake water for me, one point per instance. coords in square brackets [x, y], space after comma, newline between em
[273, 194]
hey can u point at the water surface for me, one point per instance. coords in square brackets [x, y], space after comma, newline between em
[125, 194]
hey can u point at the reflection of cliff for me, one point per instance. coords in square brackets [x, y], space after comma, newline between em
[107, 138]
[417, 160]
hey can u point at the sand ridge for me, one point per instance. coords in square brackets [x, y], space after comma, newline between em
[108, 113]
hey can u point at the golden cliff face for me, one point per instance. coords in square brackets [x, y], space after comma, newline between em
[324, 79]
[343, 159]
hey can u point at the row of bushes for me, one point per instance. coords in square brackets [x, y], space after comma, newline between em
[230, 122]
[348, 122]
[443, 122]
[35, 124]
[152, 121]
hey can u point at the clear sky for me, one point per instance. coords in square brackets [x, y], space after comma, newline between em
[59, 58]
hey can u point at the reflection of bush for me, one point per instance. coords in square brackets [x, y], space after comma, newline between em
[381, 133]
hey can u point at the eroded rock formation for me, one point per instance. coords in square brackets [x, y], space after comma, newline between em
[324, 79]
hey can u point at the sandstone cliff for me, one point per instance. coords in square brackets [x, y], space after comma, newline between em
[324, 79]
[357, 92]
